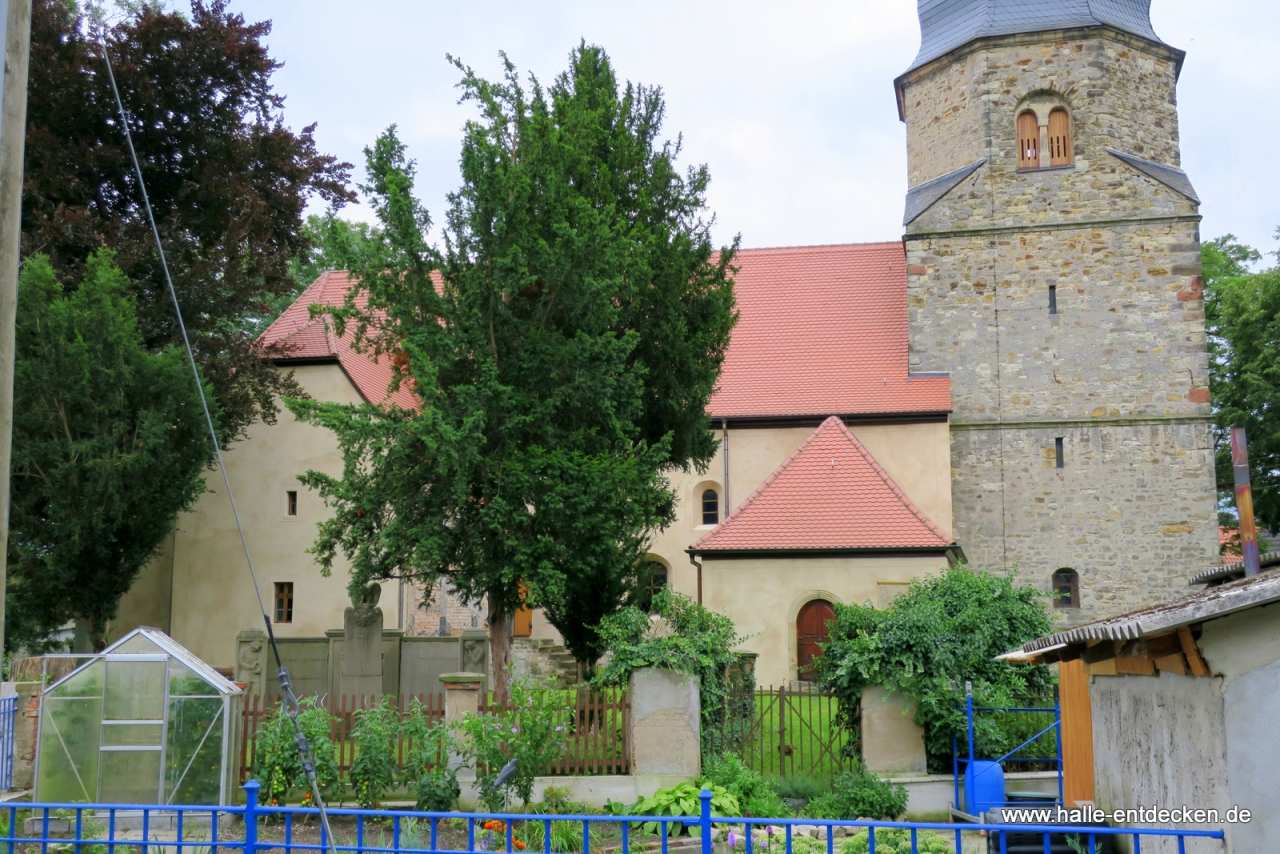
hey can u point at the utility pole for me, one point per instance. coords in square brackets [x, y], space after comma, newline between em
[1244, 501]
[15, 35]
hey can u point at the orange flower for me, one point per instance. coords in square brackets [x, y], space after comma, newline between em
[519, 845]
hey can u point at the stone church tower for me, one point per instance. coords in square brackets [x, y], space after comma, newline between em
[1054, 273]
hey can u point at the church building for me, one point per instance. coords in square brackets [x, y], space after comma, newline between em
[1019, 382]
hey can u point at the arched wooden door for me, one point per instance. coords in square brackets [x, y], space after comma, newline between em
[811, 630]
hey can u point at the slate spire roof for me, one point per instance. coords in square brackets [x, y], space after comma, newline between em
[948, 24]
[830, 495]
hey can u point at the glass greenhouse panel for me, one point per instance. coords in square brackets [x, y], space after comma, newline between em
[185, 682]
[129, 776]
[69, 749]
[143, 722]
[132, 735]
[193, 754]
[134, 691]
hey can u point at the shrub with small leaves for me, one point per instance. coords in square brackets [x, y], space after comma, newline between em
[860, 794]
[531, 729]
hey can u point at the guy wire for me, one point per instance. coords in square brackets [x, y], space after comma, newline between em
[289, 701]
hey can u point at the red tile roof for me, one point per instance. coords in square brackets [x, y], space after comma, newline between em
[823, 331]
[296, 336]
[830, 494]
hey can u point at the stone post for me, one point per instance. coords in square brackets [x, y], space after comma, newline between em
[461, 695]
[24, 741]
[362, 645]
[892, 743]
[665, 723]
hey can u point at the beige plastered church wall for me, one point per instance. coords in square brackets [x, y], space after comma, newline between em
[764, 597]
[213, 598]
[916, 456]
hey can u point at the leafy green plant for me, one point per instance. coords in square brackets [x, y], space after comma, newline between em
[946, 630]
[277, 766]
[895, 840]
[426, 770]
[681, 801]
[700, 643]
[531, 729]
[859, 794]
[375, 734]
[750, 788]
[800, 787]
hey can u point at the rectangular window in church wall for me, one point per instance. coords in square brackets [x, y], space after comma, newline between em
[1058, 452]
[1053, 299]
[284, 602]
[291, 502]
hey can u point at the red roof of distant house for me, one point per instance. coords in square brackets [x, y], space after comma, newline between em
[296, 336]
[823, 331]
[830, 494]
[1230, 551]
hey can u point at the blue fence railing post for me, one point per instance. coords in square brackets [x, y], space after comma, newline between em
[251, 816]
[705, 798]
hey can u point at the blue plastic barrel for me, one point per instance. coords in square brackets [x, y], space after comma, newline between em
[983, 786]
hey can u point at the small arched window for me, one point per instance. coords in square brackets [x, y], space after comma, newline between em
[655, 577]
[710, 507]
[1059, 137]
[1028, 141]
[1066, 588]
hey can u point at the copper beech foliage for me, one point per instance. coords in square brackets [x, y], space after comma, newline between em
[227, 179]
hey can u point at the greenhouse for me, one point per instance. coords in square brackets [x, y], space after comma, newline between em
[142, 722]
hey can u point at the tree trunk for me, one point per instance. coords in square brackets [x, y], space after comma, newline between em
[500, 628]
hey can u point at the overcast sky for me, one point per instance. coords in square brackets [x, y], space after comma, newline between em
[789, 103]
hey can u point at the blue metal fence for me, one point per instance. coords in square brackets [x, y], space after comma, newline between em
[8, 729]
[101, 829]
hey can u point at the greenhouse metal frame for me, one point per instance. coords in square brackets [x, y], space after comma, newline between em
[144, 709]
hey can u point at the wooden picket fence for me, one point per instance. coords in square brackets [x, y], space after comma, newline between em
[342, 709]
[597, 742]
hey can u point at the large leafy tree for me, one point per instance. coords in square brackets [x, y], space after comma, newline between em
[109, 444]
[227, 179]
[564, 345]
[1242, 314]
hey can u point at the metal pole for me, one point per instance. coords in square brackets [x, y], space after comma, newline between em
[968, 690]
[15, 32]
[1244, 501]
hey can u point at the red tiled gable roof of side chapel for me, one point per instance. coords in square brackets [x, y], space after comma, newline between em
[830, 495]
[295, 336]
[822, 330]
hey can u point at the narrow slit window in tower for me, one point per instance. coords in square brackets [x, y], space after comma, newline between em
[1028, 141]
[291, 502]
[1057, 452]
[1053, 299]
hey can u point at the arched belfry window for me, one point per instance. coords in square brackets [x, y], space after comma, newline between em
[1028, 141]
[1059, 137]
[1066, 588]
[710, 507]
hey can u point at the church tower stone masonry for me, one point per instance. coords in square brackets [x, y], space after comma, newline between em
[1053, 259]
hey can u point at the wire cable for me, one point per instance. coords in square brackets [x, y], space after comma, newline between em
[290, 701]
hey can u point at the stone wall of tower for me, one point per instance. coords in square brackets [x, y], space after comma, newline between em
[1120, 372]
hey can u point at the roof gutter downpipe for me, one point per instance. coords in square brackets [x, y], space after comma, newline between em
[1244, 502]
[724, 443]
[693, 559]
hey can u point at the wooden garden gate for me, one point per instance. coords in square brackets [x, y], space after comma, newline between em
[784, 732]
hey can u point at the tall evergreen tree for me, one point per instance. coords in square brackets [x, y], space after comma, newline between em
[109, 444]
[564, 345]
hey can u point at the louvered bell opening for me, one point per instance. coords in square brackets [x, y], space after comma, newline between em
[1059, 138]
[1028, 141]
